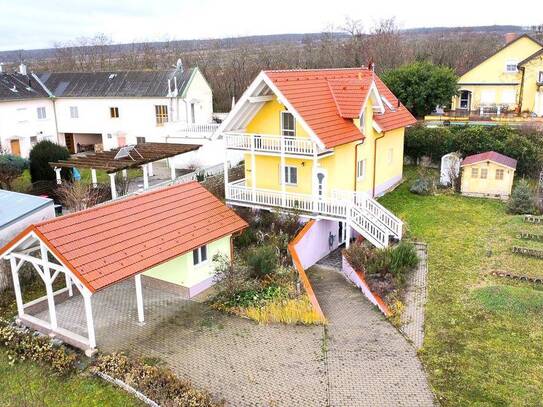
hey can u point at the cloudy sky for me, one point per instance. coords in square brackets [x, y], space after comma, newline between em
[40, 23]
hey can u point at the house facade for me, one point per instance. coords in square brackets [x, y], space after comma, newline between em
[324, 142]
[509, 81]
[87, 111]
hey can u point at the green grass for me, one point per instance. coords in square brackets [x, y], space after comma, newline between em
[483, 335]
[26, 384]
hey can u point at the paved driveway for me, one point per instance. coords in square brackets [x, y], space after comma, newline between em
[359, 359]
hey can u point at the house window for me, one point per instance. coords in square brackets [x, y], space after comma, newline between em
[288, 124]
[363, 120]
[42, 113]
[499, 174]
[475, 173]
[540, 80]
[74, 112]
[484, 173]
[140, 140]
[291, 175]
[488, 97]
[390, 155]
[33, 140]
[114, 112]
[464, 99]
[161, 114]
[361, 169]
[509, 97]
[199, 255]
[511, 66]
[22, 115]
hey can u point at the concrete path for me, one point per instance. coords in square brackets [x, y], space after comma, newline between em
[368, 362]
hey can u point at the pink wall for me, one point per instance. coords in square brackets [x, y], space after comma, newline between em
[313, 246]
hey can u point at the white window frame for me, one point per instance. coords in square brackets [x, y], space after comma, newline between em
[112, 110]
[285, 132]
[361, 169]
[500, 171]
[540, 77]
[466, 99]
[474, 172]
[198, 255]
[74, 112]
[509, 64]
[39, 111]
[483, 174]
[286, 176]
[22, 115]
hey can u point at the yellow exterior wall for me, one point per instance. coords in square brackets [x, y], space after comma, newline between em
[182, 271]
[490, 186]
[340, 167]
[532, 94]
[490, 76]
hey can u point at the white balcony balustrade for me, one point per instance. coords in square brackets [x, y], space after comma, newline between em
[262, 143]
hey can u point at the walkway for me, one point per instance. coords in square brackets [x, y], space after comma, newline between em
[368, 362]
[359, 359]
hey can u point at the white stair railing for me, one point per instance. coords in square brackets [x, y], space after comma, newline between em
[368, 228]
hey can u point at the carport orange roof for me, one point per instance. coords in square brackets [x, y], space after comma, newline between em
[114, 241]
[328, 99]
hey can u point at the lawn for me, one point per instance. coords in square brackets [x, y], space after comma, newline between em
[483, 334]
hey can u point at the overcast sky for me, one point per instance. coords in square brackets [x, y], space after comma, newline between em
[32, 24]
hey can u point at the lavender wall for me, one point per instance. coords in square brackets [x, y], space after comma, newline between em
[313, 246]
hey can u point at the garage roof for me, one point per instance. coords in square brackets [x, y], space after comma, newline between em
[111, 242]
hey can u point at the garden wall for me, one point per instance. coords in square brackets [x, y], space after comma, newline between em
[313, 244]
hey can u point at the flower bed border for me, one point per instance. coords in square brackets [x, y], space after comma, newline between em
[126, 387]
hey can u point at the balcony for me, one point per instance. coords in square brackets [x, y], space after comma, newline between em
[190, 130]
[274, 145]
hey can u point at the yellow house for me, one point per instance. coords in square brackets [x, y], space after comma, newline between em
[322, 142]
[509, 81]
[488, 174]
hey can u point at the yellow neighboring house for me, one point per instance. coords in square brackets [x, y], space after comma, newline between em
[509, 81]
[488, 175]
[324, 142]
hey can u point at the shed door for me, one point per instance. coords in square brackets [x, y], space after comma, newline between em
[15, 147]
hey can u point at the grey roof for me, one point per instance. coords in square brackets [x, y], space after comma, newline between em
[14, 86]
[115, 83]
[14, 206]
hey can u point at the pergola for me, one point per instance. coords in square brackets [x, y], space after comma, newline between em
[121, 159]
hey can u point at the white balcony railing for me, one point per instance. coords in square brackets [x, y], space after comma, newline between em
[370, 218]
[271, 144]
[185, 130]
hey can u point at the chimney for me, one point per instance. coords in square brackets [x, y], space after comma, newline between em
[22, 69]
[509, 37]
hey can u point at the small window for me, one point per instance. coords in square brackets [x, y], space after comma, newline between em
[33, 140]
[540, 77]
[475, 173]
[361, 169]
[484, 173]
[42, 113]
[199, 255]
[499, 174]
[140, 140]
[288, 124]
[291, 175]
[74, 112]
[465, 97]
[511, 66]
[22, 115]
[114, 112]
[161, 114]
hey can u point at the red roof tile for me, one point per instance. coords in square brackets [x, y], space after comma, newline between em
[328, 100]
[111, 242]
[490, 156]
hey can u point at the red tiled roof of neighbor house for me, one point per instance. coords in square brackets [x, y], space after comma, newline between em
[328, 99]
[111, 242]
[490, 156]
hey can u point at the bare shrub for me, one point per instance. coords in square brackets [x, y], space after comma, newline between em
[77, 196]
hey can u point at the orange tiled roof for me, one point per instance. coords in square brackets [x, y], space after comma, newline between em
[111, 242]
[328, 99]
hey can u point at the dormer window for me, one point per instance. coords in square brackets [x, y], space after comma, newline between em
[288, 124]
[363, 120]
[511, 67]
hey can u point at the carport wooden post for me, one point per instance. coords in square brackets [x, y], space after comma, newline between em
[93, 177]
[112, 184]
[48, 286]
[139, 298]
[125, 174]
[69, 285]
[172, 168]
[90, 321]
[17, 285]
[150, 169]
[145, 177]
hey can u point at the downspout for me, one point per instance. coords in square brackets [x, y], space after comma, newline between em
[523, 70]
[375, 164]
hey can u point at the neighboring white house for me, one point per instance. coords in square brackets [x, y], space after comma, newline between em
[104, 110]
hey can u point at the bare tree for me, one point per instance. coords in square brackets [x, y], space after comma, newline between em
[77, 196]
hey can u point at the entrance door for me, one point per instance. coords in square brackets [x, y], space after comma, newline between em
[321, 183]
[465, 100]
[69, 140]
[341, 233]
[15, 147]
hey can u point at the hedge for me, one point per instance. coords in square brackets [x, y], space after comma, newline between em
[523, 144]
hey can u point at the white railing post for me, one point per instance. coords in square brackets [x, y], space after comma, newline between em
[139, 298]
[145, 177]
[315, 180]
[226, 191]
[253, 167]
[282, 175]
[90, 320]
[17, 286]
[57, 174]
[48, 286]
[112, 186]
[348, 226]
[94, 178]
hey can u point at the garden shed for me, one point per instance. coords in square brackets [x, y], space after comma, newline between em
[488, 174]
[168, 235]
